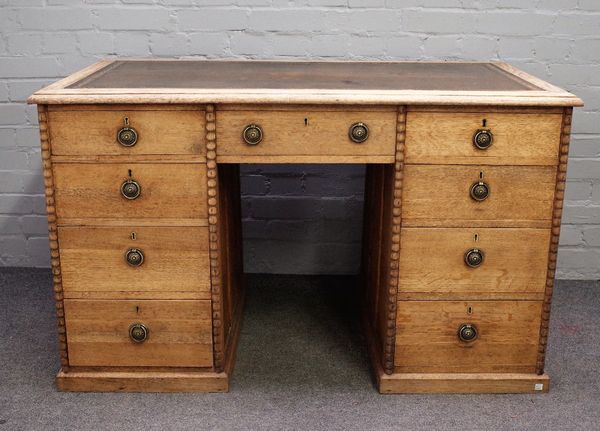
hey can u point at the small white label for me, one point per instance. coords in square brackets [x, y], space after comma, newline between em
[539, 387]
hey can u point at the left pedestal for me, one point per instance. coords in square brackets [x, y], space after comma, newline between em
[144, 233]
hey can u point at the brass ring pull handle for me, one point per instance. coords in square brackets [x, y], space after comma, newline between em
[474, 257]
[483, 139]
[359, 132]
[467, 332]
[252, 134]
[127, 136]
[134, 257]
[131, 189]
[138, 332]
[479, 191]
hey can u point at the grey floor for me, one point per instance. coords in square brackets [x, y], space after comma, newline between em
[301, 366]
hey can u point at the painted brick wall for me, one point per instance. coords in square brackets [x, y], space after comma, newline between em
[303, 219]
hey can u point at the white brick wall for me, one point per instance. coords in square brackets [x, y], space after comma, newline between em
[303, 219]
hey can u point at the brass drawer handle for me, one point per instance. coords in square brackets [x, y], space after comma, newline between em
[359, 132]
[483, 139]
[134, 257]
[127, 136]
[479, 191]
[467, 332]
[252, 134]
[138, 332]
[474, 257]
[131, 189]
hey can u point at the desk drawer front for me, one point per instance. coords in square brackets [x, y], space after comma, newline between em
[174, 262]
[432, 260]
[516, 139]
[427, 338]
[440, 195]
[95, 190]
[94, 132]
[178, 333]
[306, 133]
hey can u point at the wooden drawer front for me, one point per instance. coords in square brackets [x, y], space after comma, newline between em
[179, 333]
[94, 190]
[427, 336]
[94, 132]
[432, 261]
[285, 133]
[447, 138]
[439, 196]
[175, 265]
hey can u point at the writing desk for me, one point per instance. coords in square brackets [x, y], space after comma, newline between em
[466, 167]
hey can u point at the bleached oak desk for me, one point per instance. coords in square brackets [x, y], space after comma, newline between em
[466, 166]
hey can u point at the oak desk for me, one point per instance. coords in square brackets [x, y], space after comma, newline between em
[466, 166]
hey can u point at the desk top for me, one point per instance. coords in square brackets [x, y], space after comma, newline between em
[226, 81]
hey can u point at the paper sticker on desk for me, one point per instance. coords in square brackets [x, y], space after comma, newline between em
[539, 387]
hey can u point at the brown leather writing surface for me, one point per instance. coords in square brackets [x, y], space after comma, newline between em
[305, 75]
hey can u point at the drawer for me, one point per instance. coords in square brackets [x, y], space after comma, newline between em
[427, 338]
[175, 262]
[433, 262]
[517, 138]
[94, 132]
[306, 133]
[178, 333]
[440, 196]
[94, 190]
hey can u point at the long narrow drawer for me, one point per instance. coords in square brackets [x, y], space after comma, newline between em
[506, 336]
[441, 195]
[502, 138]
[307, 133]
[96, 190]
[466, 263]
[139, 333]
[135, 262]
[95, 132]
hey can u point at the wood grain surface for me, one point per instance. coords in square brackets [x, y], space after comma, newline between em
[447, 138]
[49, 192]
[557, 211]
[94, 190]
[439, 196]
[142, 381]
[305, 133]
[179, 333]
[464, 383]
[175, 262]
[427, 341]
[94, 132]
[432, 261]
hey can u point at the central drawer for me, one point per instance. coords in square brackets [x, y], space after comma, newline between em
[307, 134]
[173, 190]
[139, 333]
[135, 262]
